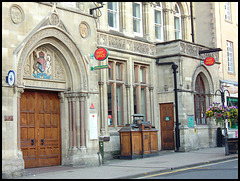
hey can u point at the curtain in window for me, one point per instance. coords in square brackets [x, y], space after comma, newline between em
[200, 101]
[143, 101]
[227, 11]
[119, 105]
[136, 18]
[177, 27]
[158, 25]
[177, 23]
[112, 14]
[230, 56]
[110, 105]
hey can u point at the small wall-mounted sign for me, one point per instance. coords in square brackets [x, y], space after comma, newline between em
[8, 118]
[209, 61]
[92, 106]
[101, 54]
[100, 67]
[92, 56]
[190, 121]
[10, 79]
[93, 126]
[167, 118]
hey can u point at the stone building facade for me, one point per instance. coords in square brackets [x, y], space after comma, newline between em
[134, 50]
[59, 108]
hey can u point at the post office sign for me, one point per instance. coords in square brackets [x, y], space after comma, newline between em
[101, 54]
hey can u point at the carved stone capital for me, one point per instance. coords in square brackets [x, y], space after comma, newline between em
[71, 96]
[20, 90]
[61, 96]
[128, 86]
[83, 97]
[185, 16]
[100, 83]
[165, 10]
[150, 88]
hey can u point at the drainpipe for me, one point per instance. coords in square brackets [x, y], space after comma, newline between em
[177, 133]
[191, 11]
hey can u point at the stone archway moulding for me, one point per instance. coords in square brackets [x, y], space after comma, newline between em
[56, 33]
[205, 72]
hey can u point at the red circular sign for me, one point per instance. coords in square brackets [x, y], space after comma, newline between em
[209, 61]
[101, 54]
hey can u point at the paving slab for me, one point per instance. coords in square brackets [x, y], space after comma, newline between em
[114, 169]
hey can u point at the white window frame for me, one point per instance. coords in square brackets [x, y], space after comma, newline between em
[178, 15]
[138, 19]
[159, 8]
[117, 17]
[230, 57]
[227, 7]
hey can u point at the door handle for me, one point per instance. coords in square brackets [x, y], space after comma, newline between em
[42, 141]
[32, 141]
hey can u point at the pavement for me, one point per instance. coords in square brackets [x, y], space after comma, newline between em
[122, 169]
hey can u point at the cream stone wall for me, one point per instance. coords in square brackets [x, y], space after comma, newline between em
[27, 25]
[34, 26]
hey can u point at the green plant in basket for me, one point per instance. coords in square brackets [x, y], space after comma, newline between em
[220, 113]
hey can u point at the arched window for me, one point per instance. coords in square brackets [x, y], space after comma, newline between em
[200, 100]
[177, 22]
[158, 21]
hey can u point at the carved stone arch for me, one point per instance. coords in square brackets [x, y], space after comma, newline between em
[184, 8]
[166, 5]
[61, 41]
[207, 78]
[60, 63]
[157, 4]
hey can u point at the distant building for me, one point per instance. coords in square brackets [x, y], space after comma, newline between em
[217, 27]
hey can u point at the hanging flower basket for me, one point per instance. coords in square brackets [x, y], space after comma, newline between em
[220, 113]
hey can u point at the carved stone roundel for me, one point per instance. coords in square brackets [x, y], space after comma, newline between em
[54, 19]
[17, 14]
[83, 29]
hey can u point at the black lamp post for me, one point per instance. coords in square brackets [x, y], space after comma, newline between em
[225, 124]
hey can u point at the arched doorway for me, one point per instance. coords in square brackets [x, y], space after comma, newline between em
[52, 73]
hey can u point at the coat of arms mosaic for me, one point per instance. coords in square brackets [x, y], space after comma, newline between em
[41, 65]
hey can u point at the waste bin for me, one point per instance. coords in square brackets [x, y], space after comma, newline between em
[138, 140]
[219, 137]
[233, 145]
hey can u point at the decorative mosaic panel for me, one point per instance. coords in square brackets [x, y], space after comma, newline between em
[44, 64]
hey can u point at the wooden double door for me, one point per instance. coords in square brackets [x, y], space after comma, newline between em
[40, 128]
[167, 126]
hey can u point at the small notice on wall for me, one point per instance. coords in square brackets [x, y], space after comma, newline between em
[93, 126]
[190, 121]
[8, 118]
[92, 106]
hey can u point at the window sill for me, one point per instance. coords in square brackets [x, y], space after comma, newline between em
[229, 21]
[231, 73]
[138, 35]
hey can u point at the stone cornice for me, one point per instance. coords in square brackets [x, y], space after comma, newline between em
[152, 50]
[125, 43]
